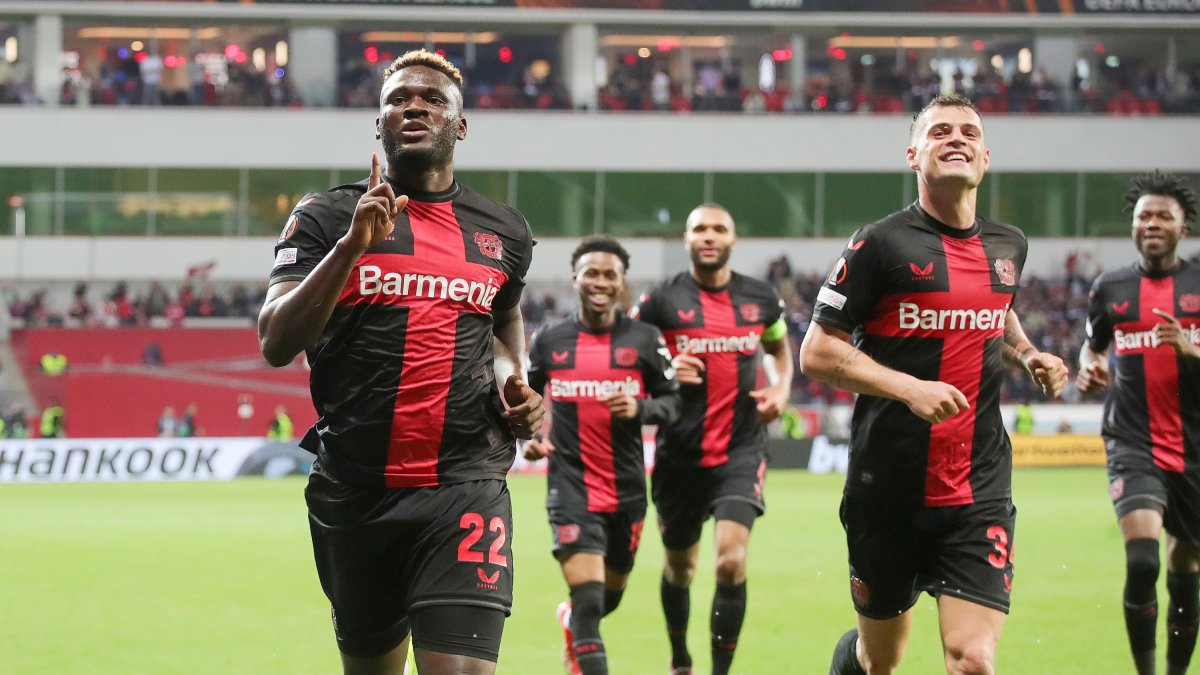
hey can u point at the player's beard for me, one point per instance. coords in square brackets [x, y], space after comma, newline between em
[719, 263]
[437, 155]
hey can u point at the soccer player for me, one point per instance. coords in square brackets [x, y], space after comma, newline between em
[399, 287]
[608, 375]
[712, 460]
[1149, 314]
[916, 317]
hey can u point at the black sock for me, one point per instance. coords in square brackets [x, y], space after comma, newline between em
[728, 611]
[587, 606]
[1183, 615]
[1141, 600]
[612, 598]
[845, 655]
[677, 606]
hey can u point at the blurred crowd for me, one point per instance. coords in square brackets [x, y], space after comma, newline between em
[121, 305]
[149, 79]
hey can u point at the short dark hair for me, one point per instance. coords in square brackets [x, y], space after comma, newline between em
[1166, 184]
[420, 57]
[951, 101]
[600, 244]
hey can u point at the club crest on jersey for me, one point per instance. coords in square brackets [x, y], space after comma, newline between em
[1006, 271]
[750, 312]
[921, 273]
[625, 356]
[489, 245]
[567, 534]
[1121, 307]
[686, 316]
[560, 357]
[1190, 303]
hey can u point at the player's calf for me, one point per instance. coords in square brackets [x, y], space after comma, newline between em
[677, 606]
[587, 607]
[1183, 618]
[728, 612]
[845, 655]
[1141, 600]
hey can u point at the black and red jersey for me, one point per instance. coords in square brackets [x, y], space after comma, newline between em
[1154, 400]
[402, 376]
[928, 300]
[598, 461]
[724, 328]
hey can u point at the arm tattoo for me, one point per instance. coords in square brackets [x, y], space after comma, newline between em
[839, 371]
[1017, 347]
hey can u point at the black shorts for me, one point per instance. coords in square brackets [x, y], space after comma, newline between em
[685, 495]
[1136, 482]
[898, 550]
[616, 536]
[382, 553]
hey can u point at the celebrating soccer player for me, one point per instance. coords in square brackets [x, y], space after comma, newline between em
[397, 286]
[1149, 314]
[712, 460]
[608, 375]
[927, 295]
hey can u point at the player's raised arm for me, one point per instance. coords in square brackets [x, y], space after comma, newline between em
[827, 355]
[295, 313]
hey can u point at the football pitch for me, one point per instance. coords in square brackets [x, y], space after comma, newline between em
[218, 578]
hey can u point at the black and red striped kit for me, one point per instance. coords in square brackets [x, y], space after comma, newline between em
[1153, 407]
[928, 300]
[724, 328]
[402, 376]
[598, 462]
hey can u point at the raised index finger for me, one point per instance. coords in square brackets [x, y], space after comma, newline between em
[376, 171]
[1165, 315]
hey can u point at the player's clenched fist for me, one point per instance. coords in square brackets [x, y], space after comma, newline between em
[525, 409]
[1093, 378]
[375, 215]
[1049, 372]
[936, 402]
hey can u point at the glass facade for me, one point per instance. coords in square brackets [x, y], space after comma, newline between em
[256, 202]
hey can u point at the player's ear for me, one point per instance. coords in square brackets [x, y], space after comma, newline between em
[910, 157]
[462, 128]
[377, 129]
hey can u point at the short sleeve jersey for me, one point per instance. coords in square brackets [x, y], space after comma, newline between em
[931, 301]
[1153, 404]
[598, 460]
[402, 376]
[724, 328]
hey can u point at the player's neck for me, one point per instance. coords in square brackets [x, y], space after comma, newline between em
[955, 209]
[423, 180]
[718, 278]
[1159, 264]
[597, 321]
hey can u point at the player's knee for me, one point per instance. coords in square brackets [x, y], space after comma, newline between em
[731, 567]
[679, 572]
[970, 659]
[1141, 563]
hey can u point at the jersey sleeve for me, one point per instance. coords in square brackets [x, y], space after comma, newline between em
[646, 307]
[510, 293]
[305, 240]
[537, 362]
[1099, 324]
[664, 403]
[850, 291]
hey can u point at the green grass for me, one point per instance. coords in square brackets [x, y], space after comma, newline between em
[218, 578]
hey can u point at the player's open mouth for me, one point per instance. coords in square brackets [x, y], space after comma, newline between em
[599, 300]
[956, 157]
